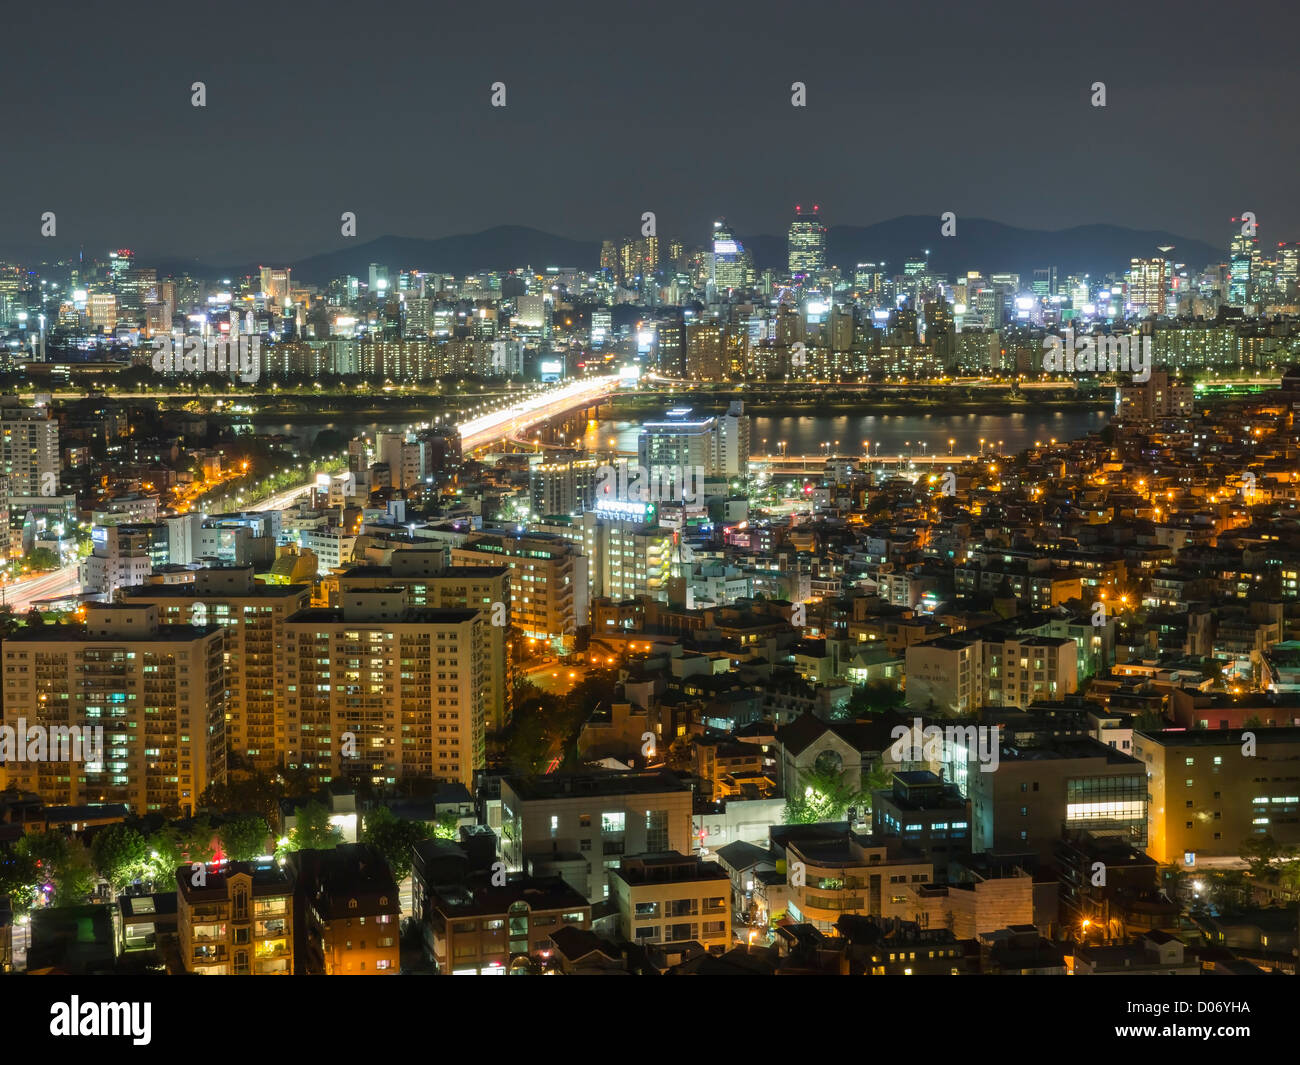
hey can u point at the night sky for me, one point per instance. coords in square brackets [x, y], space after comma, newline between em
[614, 109]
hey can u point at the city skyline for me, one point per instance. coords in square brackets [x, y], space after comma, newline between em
[986, 243]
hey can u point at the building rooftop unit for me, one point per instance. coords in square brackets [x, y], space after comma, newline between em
[560, 786]
[923, 790]
[477, 895]
[1053, 748]
[269, 879]
[667, 867]
[1224, 737]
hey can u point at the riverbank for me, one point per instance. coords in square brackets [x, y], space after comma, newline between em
[858, 401]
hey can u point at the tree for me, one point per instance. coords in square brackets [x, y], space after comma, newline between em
[394, 838]
[257, 792]
[63, 866]
[1228, 889]
[874, 697]
[120, 855]
[1261, 852]
[165, 856]
[74, 876]
[313, 830]
[877, 778]
[195, 838]
[1289, 880]
[821, 795]
[244, 838]
[18, 877]
[41, 559]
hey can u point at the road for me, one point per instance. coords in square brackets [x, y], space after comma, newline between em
[282, 500]
[19, 595]
[553, 677]
[500, 424]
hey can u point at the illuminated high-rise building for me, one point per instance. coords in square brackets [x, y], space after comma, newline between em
[384, 691]
[731, 266]
[1240, 266]
[102, 310]
[638, 260]
[120, 263]
[1288, 268]
[807, 242]
[1147, 286]
[150, 697]
[275, 285]
[29, 449]
[253, 617]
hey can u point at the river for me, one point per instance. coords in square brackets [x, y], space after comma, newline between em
[895, 434]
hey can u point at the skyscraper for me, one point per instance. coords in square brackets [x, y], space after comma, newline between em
[275, 284]
[807, 242]
[1147, 286]
[731, 265]
[1240, 280]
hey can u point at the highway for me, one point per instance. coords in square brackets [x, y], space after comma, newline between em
[283, 500]
[499, 424]
[19, 595]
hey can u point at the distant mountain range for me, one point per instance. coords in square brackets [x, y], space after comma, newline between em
[979, 244]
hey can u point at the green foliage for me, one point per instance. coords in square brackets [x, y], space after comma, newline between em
[165, 856]
[40, 559]
[1261, 852]
[1289, 880]
[255, 792]
[546, 726]
[75, 876]
[1228, 889]
[1149, 721]
[874, 697]
[394, 837]
[120, 855]
[821, 796]
[313, 830]
[244, 838]
[195, 837]
[877, 778]
[61, 861]
[18, 877]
